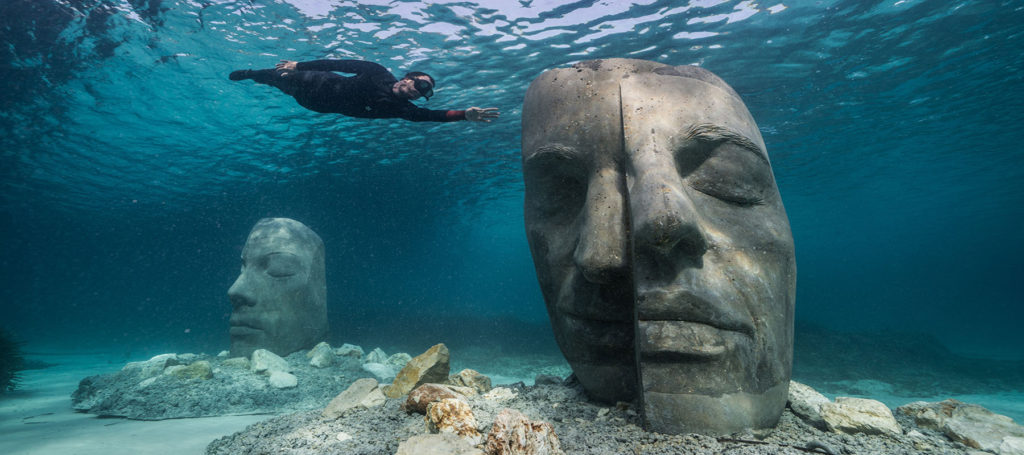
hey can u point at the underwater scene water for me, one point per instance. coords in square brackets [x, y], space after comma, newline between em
[133, 170]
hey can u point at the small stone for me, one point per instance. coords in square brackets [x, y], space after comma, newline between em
[282, 380]
[424, 395]
[602, 412]
[363, 393]
[500, 394]
[471, 378]
[514, 434]
[349, 350]
[859, 415]
[146, 383]
[453, 415]
[196, 370]
[321, 356]
[437, 444]
[237, 362]
[223, 354]
[806, 403]
[376, 356]
[343, 436]
[152, 367]
[431, 366]
[266, 362]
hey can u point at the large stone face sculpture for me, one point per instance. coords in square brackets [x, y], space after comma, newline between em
[279, 300]
[660, 242]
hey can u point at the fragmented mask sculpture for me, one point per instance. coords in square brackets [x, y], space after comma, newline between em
[279, 300]
[660, 242]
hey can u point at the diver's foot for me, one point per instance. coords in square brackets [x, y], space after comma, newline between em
[240, 75]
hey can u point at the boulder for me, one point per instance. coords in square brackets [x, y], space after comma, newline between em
[453, 415]
[968, 424]
[471, 378]
[349, 350]
[399, 360]
[363, 393]
[806, 403]
[321, 356]
[426, 394]
[514, 434]
[376, 356]
[152, 367]
[381, 371]
[431, 366]
[282, 380]
[266, 362]
[195, 370]
[241, 363]
[859, 415]
[437, 444]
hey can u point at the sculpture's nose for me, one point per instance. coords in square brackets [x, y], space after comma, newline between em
[240, 293]
[665, 225]
[601, 249]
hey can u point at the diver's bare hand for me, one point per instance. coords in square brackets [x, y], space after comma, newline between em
[287, 65]
[477, 114]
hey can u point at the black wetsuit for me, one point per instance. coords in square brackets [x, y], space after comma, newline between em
[365, 95]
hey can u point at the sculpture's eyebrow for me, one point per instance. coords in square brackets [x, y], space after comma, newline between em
[552, 152]
[717, 134]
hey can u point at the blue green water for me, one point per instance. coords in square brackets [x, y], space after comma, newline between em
[132, 169]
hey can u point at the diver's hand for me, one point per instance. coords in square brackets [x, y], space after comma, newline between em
[476, 114]
[287, 65]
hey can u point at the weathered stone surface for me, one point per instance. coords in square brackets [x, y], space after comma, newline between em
[859, 415]
[437, 444]
[399, 360]
[471, 378]
[266, 362]
[453, 415]
[1012, 445]
[514, 434]
[237, 362]
[321, 356]
[152, 367]
[969, 424]
[349, 350]
[431, 366]
[426, 394]
[806, 403]
[282, 380]
[364, 393]
[546, 379]
[195, 370]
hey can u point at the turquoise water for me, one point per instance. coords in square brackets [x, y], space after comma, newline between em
[133, 169]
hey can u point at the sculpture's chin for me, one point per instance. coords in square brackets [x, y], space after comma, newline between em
[678, 413]
[601, 354]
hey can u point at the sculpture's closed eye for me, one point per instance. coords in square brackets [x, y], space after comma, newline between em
[732, 174]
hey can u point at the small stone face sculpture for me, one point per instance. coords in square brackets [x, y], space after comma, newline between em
[279, 300]
[660, 242]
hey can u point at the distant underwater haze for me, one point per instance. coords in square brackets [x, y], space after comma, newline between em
[133, 169]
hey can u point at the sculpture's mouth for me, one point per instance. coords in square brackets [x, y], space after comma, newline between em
[242, 326]
[686, 305]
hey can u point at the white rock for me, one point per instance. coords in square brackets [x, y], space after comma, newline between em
[381, 371]
[966, 423]
[859, 415]
[282, 380]
[223, 354]
[344, 436]
[500, 394]
[266, 362]
[1012, 445]
[321, 356]
[806, 403]
[146, 383]
[376, 356]
[349, 350]
[154, 366]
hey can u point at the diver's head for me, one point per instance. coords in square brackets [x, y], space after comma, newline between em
[414, 85]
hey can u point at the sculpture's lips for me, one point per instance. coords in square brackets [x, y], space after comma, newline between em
[241, 325]
[692, 306]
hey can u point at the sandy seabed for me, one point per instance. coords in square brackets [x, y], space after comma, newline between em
[37, 419]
